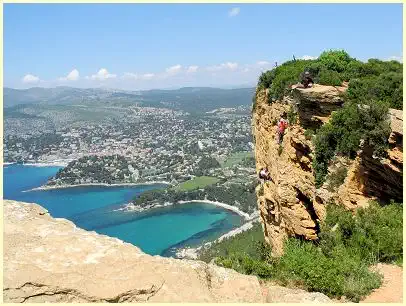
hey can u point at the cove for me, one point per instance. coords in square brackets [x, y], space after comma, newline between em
[158, 231]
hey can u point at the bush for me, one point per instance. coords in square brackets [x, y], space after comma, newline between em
[337, 178]
[329, 77]
[336, 275]
[279, 79]
[343, 133]
[387, 87]
[292, 116]
[308, 133]
[336, 60]
[338, 264]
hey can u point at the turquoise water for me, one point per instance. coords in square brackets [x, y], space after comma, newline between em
[158, 231]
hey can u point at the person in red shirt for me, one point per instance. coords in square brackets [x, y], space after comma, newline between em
[282, 125]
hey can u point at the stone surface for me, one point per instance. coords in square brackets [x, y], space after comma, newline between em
[51, 260]
[47, 259]
[278, 294]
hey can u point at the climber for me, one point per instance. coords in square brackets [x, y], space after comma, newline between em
[282, 125]
[307, 81]
[264, 174]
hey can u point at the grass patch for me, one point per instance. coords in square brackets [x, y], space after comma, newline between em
[196, 183]
[337, 265]
[236, 158]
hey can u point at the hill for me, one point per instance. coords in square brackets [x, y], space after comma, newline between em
[190, 99]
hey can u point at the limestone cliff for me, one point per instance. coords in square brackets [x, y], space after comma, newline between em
[373, 178]
[51, 260]
[289, 204]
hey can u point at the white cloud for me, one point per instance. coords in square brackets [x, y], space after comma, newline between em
[308, 57]
[263, 63]
[192, 69]
[72, 76]
[174, 69]
[223, 66]
[130, 75]
[234, 12]
[147, 76]
[136, 76]
[29, 78]
[396, 58]
[102, 74]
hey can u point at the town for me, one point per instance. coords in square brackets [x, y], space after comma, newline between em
[149, 144]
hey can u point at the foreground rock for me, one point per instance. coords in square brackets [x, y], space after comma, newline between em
[51, 260]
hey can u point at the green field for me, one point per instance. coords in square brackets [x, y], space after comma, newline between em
[235, 158]
[197, 182]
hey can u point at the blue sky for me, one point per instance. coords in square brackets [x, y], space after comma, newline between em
[143, 46]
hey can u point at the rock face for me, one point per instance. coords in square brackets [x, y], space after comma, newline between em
[286, 203]
[289, 204]
[315, 104]
[51, 260]
[373, 178]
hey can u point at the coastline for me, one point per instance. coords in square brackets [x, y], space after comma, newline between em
[43, 188]
[54, 163]
[193, 253]
[131, 207]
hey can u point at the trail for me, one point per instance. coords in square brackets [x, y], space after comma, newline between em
[391, 290]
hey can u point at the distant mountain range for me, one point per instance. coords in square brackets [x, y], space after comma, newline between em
[190, 99]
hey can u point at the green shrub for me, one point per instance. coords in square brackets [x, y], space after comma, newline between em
[245, 242]
[387, 87]
[338, 264]
[353, 70]
[329, 77]
[279, 79]
[337, 178]
[308, 133]
[342, 134]
[374, 234]
[335, 275]
[336, 60]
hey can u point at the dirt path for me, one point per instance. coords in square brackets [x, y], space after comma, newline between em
[391, 290]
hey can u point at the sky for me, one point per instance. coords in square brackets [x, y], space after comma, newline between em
[146, 46]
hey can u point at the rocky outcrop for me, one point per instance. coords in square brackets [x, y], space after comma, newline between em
[289, 204]
[370, 177]
[51, 260]
[314, 105]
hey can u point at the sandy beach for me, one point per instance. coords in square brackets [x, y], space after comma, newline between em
[57, 163]
[96, 184]
[131, 207]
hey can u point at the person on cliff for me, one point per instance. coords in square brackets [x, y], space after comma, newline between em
[264, 174]
[307, 81]
[282, 125]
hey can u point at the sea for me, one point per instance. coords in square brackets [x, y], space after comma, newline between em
[158, 231]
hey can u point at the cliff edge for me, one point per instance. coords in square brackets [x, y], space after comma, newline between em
[48, 259]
